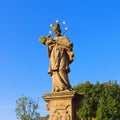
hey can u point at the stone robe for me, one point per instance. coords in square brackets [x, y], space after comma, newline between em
[61, 55]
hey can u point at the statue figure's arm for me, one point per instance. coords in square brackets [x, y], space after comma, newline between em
[67, 46]
[46, 40]
[49, 42]
[64, 42]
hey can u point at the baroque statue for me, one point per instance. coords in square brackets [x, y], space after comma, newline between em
[60, 52]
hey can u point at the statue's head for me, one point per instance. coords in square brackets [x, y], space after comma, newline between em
[56, 29]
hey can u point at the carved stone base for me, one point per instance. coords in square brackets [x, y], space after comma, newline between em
[63, 105]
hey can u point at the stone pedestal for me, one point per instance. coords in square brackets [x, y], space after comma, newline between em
[63, 105]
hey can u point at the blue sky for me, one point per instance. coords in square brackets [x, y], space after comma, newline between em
[94, 28]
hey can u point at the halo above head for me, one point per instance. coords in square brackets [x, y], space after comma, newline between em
[57, 27]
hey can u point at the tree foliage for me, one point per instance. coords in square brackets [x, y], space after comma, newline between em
[26, 108]
[101, 101]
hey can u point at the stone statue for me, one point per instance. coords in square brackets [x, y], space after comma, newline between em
[61, 55]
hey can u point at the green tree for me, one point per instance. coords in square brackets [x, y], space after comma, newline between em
[101, 101]
[109, 107]
[86, 110]
[26, 108]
